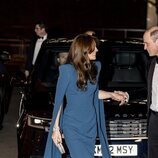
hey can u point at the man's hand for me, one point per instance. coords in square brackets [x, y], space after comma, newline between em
[26, 73]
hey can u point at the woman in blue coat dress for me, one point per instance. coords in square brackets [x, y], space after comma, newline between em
[82, 119]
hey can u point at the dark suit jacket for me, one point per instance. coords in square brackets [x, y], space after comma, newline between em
[149, 81]
[30, 53]
[45, 70]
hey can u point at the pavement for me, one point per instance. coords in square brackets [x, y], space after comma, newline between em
[8, 140]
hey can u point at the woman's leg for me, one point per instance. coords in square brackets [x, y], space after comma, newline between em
[79, 148]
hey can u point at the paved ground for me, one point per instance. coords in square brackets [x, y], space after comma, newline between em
[8, 143]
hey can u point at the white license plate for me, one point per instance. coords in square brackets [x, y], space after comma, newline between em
[119, 150]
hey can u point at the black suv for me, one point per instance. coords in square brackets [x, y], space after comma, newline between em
[123, 68]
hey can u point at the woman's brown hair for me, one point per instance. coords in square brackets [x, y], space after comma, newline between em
[81, 46]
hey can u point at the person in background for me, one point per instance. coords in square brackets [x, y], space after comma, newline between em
[4, 86]
[35, 46]
[82, 118]
[90, 32]
[62, 57]
[151, 45]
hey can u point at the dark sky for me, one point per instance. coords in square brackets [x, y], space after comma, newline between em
[71, 16]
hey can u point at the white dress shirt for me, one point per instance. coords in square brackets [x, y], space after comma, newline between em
[154, 104]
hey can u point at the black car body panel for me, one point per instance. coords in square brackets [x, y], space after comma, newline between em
[123, 68]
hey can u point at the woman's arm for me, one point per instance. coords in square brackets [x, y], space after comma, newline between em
[56, 124]
[63, 81]
[121, 97]
[56, 135]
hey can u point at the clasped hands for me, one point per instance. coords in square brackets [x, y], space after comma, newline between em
[122, 97]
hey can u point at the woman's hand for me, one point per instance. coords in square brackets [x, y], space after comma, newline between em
[56, 136]
[125, 96]
[119, 96]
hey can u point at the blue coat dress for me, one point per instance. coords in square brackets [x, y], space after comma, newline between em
[81, 120]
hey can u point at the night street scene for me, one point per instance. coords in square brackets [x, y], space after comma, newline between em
[36, 42]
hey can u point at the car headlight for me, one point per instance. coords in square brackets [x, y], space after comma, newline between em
[38, 122]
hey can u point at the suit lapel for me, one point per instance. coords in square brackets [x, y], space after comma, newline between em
[150, 77]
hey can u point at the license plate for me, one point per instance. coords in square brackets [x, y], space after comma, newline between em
[119, 150]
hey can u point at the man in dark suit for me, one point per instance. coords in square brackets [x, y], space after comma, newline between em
[151, 45]
[37, 92]
[35, 46]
